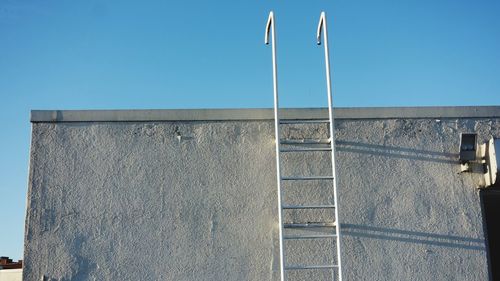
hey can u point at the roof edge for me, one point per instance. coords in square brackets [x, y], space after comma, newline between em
[45, 116]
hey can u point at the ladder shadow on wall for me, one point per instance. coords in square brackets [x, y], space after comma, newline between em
[391, 234]
[399, 235]
[397, 152]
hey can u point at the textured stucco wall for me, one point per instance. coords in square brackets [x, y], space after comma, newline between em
[196, 200]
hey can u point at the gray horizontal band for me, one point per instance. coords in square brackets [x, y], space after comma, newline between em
[261, 114]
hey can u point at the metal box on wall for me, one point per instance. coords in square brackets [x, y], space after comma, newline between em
[468, 147]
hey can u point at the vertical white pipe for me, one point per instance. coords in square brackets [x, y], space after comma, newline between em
[322, 24]
[270, 27]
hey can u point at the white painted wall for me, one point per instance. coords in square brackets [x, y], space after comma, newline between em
[196, 200]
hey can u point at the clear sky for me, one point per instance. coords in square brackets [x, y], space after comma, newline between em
[210, 54]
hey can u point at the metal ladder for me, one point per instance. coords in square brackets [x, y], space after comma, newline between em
[284, 267]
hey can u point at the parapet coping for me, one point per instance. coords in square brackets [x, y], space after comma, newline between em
[262, 114]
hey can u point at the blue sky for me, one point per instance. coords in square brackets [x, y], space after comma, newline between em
[210, 54]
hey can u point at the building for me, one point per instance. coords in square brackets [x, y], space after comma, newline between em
[191, 195]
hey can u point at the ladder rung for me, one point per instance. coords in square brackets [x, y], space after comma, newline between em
[304, 141]
[307, 149]
[308, 206]
[319, 236]
[299, 267]
[307, 178]
[298, 121]
[309, 224]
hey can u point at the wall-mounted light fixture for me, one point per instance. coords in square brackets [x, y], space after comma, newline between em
[471, 154]
[468, 148]
[483, 159]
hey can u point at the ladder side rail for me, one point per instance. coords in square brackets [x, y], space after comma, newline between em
[270, 28]
[323, 26]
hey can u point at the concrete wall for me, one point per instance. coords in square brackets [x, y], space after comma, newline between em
[159, 199]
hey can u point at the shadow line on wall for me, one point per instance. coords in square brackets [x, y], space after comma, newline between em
[391, 234]
[397, 152]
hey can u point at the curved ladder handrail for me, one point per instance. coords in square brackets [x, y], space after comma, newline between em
[322, 26]
[271, 29]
